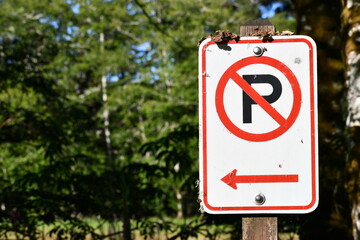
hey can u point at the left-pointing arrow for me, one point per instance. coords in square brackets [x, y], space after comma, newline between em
[232, 179]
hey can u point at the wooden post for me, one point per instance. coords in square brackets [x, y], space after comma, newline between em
[258, 228]
[257, 28]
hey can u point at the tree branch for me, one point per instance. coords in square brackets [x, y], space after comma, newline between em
[142, 7]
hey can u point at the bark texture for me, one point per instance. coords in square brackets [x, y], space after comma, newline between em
[259, 228]
[350, 19]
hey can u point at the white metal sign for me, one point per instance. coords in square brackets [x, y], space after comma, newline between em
[258, 125]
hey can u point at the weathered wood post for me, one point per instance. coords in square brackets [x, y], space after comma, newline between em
[258, 228]
[257, 28]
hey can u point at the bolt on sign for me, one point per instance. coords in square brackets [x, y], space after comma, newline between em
[258, 125]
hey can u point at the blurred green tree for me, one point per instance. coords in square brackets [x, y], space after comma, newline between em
[99, 112]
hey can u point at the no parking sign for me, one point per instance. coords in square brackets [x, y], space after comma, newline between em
[258, 125]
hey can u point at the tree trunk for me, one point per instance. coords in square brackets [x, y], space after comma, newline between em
[350, 20]
[126, 226]
[320, 19]
[106, 109]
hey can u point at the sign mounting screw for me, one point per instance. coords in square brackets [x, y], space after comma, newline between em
[258, 51]
[260, 199]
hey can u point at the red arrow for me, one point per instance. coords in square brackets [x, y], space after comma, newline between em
[232, 179]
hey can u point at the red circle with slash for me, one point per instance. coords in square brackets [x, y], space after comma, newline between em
[284, 123]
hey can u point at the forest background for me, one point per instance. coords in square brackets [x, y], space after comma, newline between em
[99, 123]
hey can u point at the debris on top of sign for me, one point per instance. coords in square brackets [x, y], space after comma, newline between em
[202, 39]
[269, 34]
[286, 33]
[264, 33]
[221, 36]
[225, 35]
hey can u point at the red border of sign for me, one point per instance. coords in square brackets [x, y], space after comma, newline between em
[313, 134]
[285, 124]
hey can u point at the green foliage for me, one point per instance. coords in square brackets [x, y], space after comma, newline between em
[283, 22]
[54, 158]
